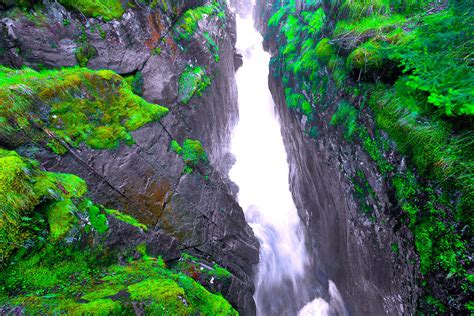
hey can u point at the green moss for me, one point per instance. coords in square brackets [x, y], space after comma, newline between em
[193, 81]
[60, 218]
[324, 51]
[192, 153]
[95, 107]
[366, 56]
[126, 218]
[101, 307]
[101, 293]
[167, 293]
[187, 25]
[107, 9]
[176, 147]
[24, 188]
[98, 219]
[297, 101]
[83, 53]
[208, 304]
[52, 274]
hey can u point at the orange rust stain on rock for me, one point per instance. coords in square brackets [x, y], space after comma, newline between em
[147, 206]
[154, 21]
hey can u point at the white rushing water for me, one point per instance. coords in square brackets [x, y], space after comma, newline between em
[261, 172]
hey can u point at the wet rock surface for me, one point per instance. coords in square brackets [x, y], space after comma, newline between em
[348, 246]
[194, 213]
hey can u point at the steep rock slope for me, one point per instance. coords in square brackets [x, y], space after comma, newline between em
[179, 54]
[61, 252]
[388, 228]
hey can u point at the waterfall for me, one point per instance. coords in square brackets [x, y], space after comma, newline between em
[284, 281]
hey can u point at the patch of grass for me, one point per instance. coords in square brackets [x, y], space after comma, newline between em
[371, 25]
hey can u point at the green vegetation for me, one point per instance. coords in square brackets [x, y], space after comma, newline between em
[188, 23]
[107, 9]
[192, 153]
[346, 115]
[362, 190]
[23, 188]
[193, 81]
[83, 53]
[408, 65]
[136, 83]
[46, 270]
[73, 105]
[84, 282]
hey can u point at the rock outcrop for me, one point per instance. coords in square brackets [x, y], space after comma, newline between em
[188, 212]
[347, 246]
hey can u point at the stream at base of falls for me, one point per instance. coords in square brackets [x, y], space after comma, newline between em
[285, 280]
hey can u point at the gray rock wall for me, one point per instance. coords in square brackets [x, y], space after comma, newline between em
[196, 212]
[347, 247]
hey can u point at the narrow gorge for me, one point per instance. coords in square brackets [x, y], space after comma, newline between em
[236, 157]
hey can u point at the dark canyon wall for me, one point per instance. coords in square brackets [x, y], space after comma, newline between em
[192, 212]
[371, 150]
[347, 245]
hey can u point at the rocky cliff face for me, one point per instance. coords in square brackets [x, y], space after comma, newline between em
[191, 212]
[350, 246]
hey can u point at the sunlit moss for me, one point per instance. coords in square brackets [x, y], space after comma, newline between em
[81, 105]
[23, 187]
[108, 9]
[60, 218]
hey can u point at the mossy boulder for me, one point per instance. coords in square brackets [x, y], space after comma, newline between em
[72, 106]
[365, 57]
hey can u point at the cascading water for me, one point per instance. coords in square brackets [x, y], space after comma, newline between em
[284, 284]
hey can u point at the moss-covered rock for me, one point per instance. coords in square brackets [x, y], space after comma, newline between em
[400, 67]
[192, 152]
[45, 270]
[73, 105]
[193, 81]
[107, 9]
